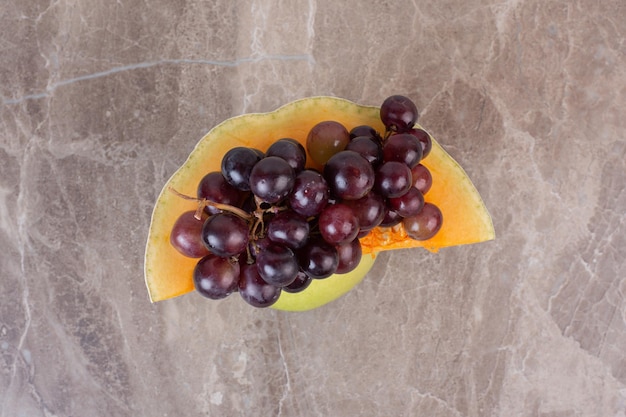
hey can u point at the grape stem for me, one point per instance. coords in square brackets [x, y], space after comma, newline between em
[203, 202]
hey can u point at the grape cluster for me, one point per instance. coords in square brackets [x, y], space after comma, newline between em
[267, 223]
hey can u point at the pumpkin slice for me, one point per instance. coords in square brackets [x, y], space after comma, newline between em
[169, 274]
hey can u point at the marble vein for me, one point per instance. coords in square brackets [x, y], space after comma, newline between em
[149, 64]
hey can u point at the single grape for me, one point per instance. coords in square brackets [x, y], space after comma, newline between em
[300, 284]
[214, 187]
[403, 147]
[309, 194]
[364, 130]
[277, 265]
[368, 148]
[421, 178]
[393, 179]
[215, 277]
[291, 151]
[369, 210]
[237, 165]
[424, 225]
[337, 224]
[186, 235]
[254, 290]
[272, 179]
[225, 234]
[350, 254]
[349, 175]
[408, 204]
[398, 113]
[288, 228]
[326, 139]
[318, 258]
[424, 139]
[391, 218]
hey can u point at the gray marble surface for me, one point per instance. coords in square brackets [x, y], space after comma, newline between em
[103, 100]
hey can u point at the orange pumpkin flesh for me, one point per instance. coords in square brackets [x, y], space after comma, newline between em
[169, 274]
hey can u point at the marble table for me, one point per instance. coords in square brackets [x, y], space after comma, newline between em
[103, 100]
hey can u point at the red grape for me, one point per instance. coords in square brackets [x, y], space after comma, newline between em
[398, 113]
[326, 139]
[422, 178]
[309, 194]
[349, 175]
[393, 179]
[337, 224]
[272, 179]
[225, 234]
[424, 225]
[349, 256]
[186, 236]
[215, 277]
[254, 290]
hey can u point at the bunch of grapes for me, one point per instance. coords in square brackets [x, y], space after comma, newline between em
[267, 223]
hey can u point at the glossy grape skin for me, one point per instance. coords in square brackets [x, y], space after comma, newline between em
[326, 139]
[408, 204]
[254, 290]
[277, 265]
[237, 165]
[349, 175]
[300, 284]
[390, 219]
[403, 148]
[422, 179]
[318, 258]
[398, 113]
[369, 210]
[272, 179]
[368, 148]
[288, 228]
[350, 254]
[186, 235]
[424, 139]
[337, 224]
[364, 130]
[291, 151]
[424, 225]
[225, 234]
[215, 277]
[393, 179]
[214, 187]
[309, 194]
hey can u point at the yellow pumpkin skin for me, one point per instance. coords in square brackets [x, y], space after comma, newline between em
[169, 274]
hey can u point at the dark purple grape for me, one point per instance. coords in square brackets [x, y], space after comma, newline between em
[349, 175]
[368, 148]
[272, 179]
[225, 234]
[408, 204]
[337, 224]
[300, 284]
[214, 187]
[424, 225]
[291, 151]
[326, 139]
[254, 290]
[186, 235]
[393, 179]
[421, 178]
[398, 113]
[277, 265]
[318, 258]
[288, 228]
[364, 130]
[424, 139]
[370, 210]
[391, 219]
[349, 256]
[309, 194]
[237, 165]
[403, 148]
[215, 277]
